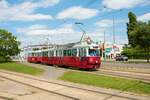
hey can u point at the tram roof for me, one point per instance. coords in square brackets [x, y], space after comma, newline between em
[68, 46]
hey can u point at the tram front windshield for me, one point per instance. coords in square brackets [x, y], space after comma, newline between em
[94, 52]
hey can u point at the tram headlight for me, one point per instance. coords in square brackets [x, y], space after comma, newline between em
[91, 60]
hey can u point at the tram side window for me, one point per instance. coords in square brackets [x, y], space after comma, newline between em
[52, 53]
[49, 53]
[56, 53]
[82, 52]
[39, 54]
[32, 54]
[65, 52]
[68, 52]
[36, 54]
[74, 52]
[60, 52]
[45, 54]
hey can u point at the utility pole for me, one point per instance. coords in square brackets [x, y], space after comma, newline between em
[114, 36]
[104, 46]
[104, 36]
[48, 42]
[113, 30]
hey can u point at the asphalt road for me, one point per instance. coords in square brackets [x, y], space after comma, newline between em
[125, 64]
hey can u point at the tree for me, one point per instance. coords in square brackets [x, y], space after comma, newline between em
[142, 37]
[131, 26]
[139, 34]
[9, 46]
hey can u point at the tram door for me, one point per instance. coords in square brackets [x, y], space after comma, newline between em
[82, 56]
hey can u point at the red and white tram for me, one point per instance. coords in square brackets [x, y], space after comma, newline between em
[85, 56]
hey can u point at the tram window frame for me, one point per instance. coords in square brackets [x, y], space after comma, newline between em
[45, 54]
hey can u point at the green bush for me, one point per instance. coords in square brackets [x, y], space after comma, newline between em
[134, 53]
[5, 59]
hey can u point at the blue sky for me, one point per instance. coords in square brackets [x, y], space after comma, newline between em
[37, 21]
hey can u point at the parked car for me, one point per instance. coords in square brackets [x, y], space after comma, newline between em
[121, 58]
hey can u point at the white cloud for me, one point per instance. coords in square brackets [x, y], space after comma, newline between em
[35, 30]
[105, 23]
[39, 33]
[45, 30]
[77, 12]
[31, 17]
[47, 3]
[144, 17]
[121, 4]
[25, 11]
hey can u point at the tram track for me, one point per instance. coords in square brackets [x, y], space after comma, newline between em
[145, 77]
[73, 98]
[131, 75]
[124, 74]
[63, 85]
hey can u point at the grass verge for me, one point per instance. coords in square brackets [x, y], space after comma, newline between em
[17, 67]
[107, 82]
